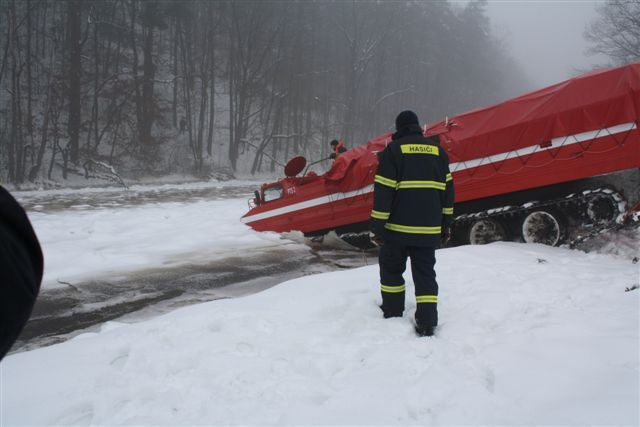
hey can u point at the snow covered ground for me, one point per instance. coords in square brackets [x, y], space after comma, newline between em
[528, 335]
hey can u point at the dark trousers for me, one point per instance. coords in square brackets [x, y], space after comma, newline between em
[393, 261]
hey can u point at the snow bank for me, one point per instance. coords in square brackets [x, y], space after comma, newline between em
[624, 243]
[529, 335]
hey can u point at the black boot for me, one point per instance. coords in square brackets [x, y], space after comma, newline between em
[390, 314]
[424, 330]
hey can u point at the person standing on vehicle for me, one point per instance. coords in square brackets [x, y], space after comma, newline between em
[411, 216]
[21, 267]
[337, 147]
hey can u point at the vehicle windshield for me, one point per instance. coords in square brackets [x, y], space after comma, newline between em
[273, 193]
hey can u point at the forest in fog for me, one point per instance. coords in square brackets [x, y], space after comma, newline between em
[137, 88]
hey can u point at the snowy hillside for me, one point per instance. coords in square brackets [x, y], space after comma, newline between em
[528, 335]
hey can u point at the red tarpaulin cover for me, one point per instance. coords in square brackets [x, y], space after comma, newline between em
[597, 100]
[583, 127]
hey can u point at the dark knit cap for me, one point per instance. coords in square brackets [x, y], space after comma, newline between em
[405, 119]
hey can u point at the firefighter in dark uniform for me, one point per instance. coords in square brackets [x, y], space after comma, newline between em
[21, 267]
[412, 212]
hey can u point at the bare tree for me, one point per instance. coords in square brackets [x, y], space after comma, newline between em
[253, 27]
[150, 86]
[616, 31]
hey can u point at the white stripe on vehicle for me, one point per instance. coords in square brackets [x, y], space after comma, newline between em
[555, 143]
[330, 198]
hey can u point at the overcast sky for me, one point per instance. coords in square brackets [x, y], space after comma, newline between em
[546, 36]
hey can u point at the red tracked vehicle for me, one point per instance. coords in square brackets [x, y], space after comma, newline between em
[555, 164]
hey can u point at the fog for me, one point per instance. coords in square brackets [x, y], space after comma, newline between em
[546, 37]
[130, 88]
[188, 89]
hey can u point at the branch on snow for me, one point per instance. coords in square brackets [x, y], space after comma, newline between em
[96, 169]
[102, 170]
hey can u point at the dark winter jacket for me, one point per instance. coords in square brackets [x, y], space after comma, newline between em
[21, 267]
[413, 190]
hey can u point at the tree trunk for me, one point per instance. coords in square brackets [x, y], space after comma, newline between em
[212, 79]
[133, 12]
[149, 71]
[204, 98]
[74, 8]
[33, 173]
[5, 55]
[232, 108]
[93, 124]
[174, 54]
[29, 121]
[186, 80]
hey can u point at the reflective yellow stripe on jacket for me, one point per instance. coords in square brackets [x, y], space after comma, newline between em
[380, 215]
[386, 181]
[422, 184]
[447, 211]
[398, 185]
[413, 229]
